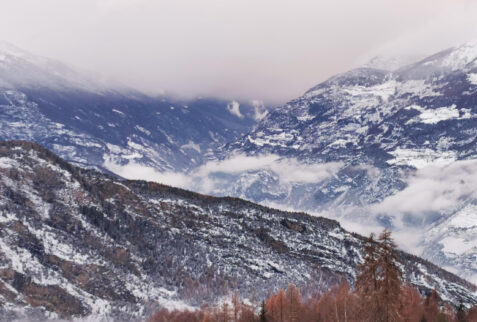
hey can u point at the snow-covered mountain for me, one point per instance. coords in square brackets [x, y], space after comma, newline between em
[92, 122]
[372, 147]
[76, 242]
[405, 142]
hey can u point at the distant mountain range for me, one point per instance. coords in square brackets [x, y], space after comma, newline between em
[75, 242]
[371, 147]
[91, 122]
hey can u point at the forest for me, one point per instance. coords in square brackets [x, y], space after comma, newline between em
[379, 295]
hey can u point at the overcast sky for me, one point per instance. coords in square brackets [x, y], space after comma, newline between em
[272, 50]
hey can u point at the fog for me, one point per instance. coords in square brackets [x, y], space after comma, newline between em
[264, 50]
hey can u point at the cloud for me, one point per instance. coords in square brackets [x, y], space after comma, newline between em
[204, 178]
[234, 109]
[431, 191]
[288, 170]
[235, 49]
[136, 171]
[260, 110]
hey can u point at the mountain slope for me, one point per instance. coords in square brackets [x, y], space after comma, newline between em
[406, 142]
[92, 123]
[75, 242]
[394, 148]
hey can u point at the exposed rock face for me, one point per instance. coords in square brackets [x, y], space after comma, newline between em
[76, 242]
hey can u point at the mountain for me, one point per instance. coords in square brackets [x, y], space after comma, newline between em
[382, 145]
[392, 63]
[371, 119]
[400, 148]
[91, 122]
[77, 242]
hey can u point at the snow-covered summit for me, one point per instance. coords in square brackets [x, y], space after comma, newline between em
[392, 131]
[20, 68]
[463, 56]
[391, 63]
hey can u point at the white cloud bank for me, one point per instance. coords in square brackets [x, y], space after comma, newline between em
[260, 111]
[432, 190]
[201, 179]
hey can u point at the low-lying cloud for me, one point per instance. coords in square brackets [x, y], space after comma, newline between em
[203, 179]
[234, 109]
[432, 191]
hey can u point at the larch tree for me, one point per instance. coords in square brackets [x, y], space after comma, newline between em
[379, 280]
[367, 280]
[389, 278]
[293, 300]
[279, 306]
[236, 306]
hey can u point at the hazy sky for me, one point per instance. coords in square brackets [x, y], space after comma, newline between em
[272, 50]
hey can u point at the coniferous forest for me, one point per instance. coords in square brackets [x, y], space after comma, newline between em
[379, 295]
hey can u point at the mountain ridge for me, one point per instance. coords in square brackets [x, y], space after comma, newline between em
[65, 230]
[351, 148]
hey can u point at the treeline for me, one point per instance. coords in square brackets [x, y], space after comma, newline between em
[379, 295]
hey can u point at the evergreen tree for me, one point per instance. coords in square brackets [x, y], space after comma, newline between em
[461, 313]
[263, 313]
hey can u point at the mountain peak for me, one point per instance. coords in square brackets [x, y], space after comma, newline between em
[462, 55]
[391, 63]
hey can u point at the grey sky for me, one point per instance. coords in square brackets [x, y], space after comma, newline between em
[244, 49]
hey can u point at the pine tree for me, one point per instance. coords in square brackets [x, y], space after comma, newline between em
[461, 314]
[263, 313]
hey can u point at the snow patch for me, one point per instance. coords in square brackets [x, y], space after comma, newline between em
[143, 130]
[434, 116]
[472, 78]
[118, 112]
[421, 158]
[191, 145]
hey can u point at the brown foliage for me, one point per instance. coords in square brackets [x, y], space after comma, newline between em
[165, 315]
[379, 296]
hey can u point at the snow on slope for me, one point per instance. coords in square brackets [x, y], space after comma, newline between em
[453, 242]
[86, 243]
[381, 127]
[386, 128]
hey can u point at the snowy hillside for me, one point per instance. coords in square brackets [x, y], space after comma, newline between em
[97, 124]
[75, 242]
[371, 147]
[406, 143]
